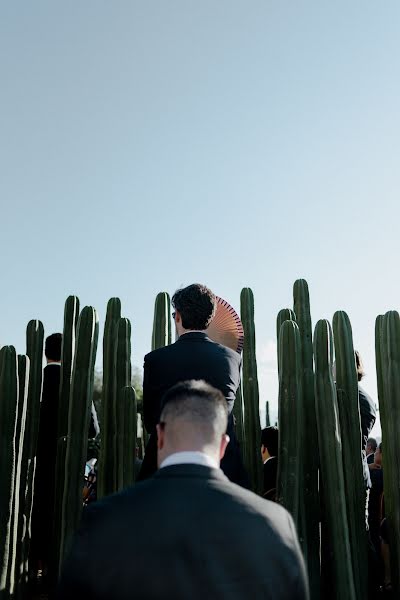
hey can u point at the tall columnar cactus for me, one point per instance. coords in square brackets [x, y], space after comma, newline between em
[286, 314]
[162, 321]
[129, 434]
[238, 414]
[390, 367]
[331, 466]
[291, 438]
[71, 315]
[78, 422]
[34, 350]
[309, 460]
[350, 426]
[8, 462]
[108, 449]
[123, 376]
[267, 416]
[251, 392]
[19, 487]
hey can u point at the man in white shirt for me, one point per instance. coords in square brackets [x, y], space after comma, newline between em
[188, 532]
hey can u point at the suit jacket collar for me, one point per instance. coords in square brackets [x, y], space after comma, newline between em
[190, 471]
[191, 336]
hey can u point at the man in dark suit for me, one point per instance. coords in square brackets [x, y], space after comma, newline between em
[193, 356]
[188, 532]
[269, 454]
[46, 454]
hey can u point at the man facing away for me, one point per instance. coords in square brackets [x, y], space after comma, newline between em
[46, 454]
[187, 532]
[192, 356]
[269, 454]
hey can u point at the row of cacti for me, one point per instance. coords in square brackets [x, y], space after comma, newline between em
[320, 477]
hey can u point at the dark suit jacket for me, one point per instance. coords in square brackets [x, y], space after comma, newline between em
[187, 533]
[270, 472]
[45, 463]
[368, 417]
[193, 356]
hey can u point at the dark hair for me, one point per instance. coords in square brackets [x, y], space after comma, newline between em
[359, 365]
[52, 347]
[270, 440]
[196, 305]
[197, 403]
[372, 442]
[380, 446]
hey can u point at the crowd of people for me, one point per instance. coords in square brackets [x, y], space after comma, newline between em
[191, 528]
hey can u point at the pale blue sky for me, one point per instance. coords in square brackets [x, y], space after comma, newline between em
[146, 145]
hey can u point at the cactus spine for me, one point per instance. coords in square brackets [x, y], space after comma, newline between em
[309, 460]
[162, 322]
[251, 392]
[8, 462]
[331, 465]
[122, 379]
[78, 422]
[108, 450]
[350, 426]
[390, 374]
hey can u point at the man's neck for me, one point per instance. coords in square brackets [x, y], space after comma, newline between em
[185, 331]
[192, 457]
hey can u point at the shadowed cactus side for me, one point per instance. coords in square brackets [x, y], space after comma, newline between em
[123, 376]
[78, 423]
[162, 322]
[310, 459]
[289, 487]
[251, 392]
[350, 426]
[108, 451]
[388, 370]
[331, 465]
[8, 464]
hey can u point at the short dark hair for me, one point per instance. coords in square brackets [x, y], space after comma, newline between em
[196, 304]
[270, 440]
[359, 365]
[52, 347]
[199, 404]
[372, 442]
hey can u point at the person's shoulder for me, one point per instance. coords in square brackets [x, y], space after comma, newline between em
[365, 399]
[160, 353]
[225, 351]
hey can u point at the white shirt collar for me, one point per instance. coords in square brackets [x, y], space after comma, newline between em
[53, 363]
[193, 458]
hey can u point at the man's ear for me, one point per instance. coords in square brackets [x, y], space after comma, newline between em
[224, 443]
[160, 437]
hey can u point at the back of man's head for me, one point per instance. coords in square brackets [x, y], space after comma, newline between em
[196, 304]
[52, 347]
[270, 440]
[372, 444]
[194, 417]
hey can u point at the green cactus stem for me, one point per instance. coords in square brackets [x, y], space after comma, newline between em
[78, 422]
[331, 465]
[251, 392]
